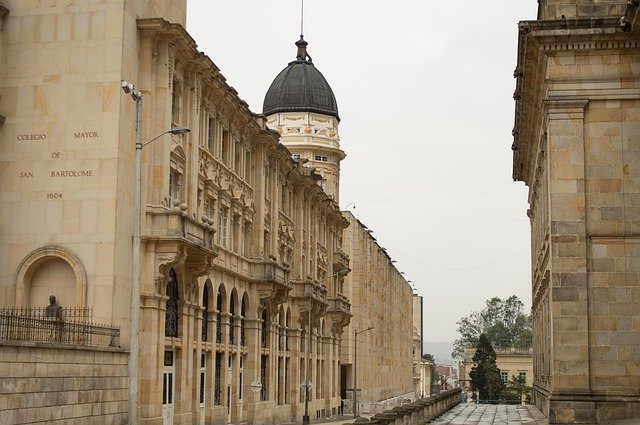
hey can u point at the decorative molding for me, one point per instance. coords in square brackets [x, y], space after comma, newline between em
[589, 45]
[164, 262]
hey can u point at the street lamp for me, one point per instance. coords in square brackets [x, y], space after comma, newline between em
[307, 384]
[136, 95]
[355, 370]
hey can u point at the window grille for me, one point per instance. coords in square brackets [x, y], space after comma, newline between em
[218, 329]
[205, 314]
[171, 315]
[202, 376]
[263, 378]
[232, 332]
[243, 340]
[265, 328]
[217, 391]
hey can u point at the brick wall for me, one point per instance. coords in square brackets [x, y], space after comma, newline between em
[57, 384]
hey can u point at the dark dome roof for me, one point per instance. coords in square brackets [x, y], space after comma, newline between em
[300, 87]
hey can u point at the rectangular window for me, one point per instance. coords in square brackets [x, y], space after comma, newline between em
[267, 183]
[226, 147]
[504, 376]
[211, 135]
[321, 158]
[224, 223]
[247, 166]
[175, 102]
[236, 233]
[238, 158]
[246, 238]
[174, 187]
[522, 376]
[209, 207]
[296, 156]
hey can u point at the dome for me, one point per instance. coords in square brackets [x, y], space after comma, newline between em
[300, 87]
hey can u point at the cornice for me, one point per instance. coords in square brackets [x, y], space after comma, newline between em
[537, 39]
[198, 62]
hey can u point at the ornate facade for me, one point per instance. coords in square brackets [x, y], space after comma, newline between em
[240, 244]
[576, 144]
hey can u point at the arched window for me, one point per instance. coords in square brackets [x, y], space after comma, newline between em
[232, 312]
[218, 315]
[171, 315]
[243, 313]
[205, 313]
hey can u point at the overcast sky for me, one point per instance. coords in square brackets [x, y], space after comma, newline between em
[424, 91]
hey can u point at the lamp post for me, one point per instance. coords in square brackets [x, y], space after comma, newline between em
[355, 370]
[134, 354]
[307, 384]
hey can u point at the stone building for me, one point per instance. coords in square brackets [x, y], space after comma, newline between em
[378, 292]
[240, 245]
[242, 262]
[421, 366]
[301, 106]
[512, 362]
[576, 146]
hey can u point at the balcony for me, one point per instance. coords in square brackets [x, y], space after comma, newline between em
[272, 280]
[175, 225]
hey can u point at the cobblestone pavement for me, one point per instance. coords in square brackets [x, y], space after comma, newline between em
[492, 414]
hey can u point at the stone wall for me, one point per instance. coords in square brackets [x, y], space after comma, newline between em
[380, 297]
[57, 384]
[577, 150]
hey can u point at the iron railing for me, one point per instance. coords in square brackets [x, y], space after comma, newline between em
[73, 326]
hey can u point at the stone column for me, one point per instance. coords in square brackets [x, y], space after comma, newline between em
[152, 312]
[251, 366]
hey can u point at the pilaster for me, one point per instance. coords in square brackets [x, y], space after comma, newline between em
[568, 255]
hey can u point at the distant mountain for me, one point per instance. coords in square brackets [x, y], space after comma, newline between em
[441, 350]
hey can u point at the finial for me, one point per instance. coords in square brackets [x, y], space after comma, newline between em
[302, 50]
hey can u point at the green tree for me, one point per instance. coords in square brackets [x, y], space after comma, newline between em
[504, 322]
[485, 375]
[516, 388]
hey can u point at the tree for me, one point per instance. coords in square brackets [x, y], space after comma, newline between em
[502, 321]
[515, 389]
[485, 375]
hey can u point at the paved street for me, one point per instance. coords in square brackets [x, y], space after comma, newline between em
[492, 414]
[479, 414]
